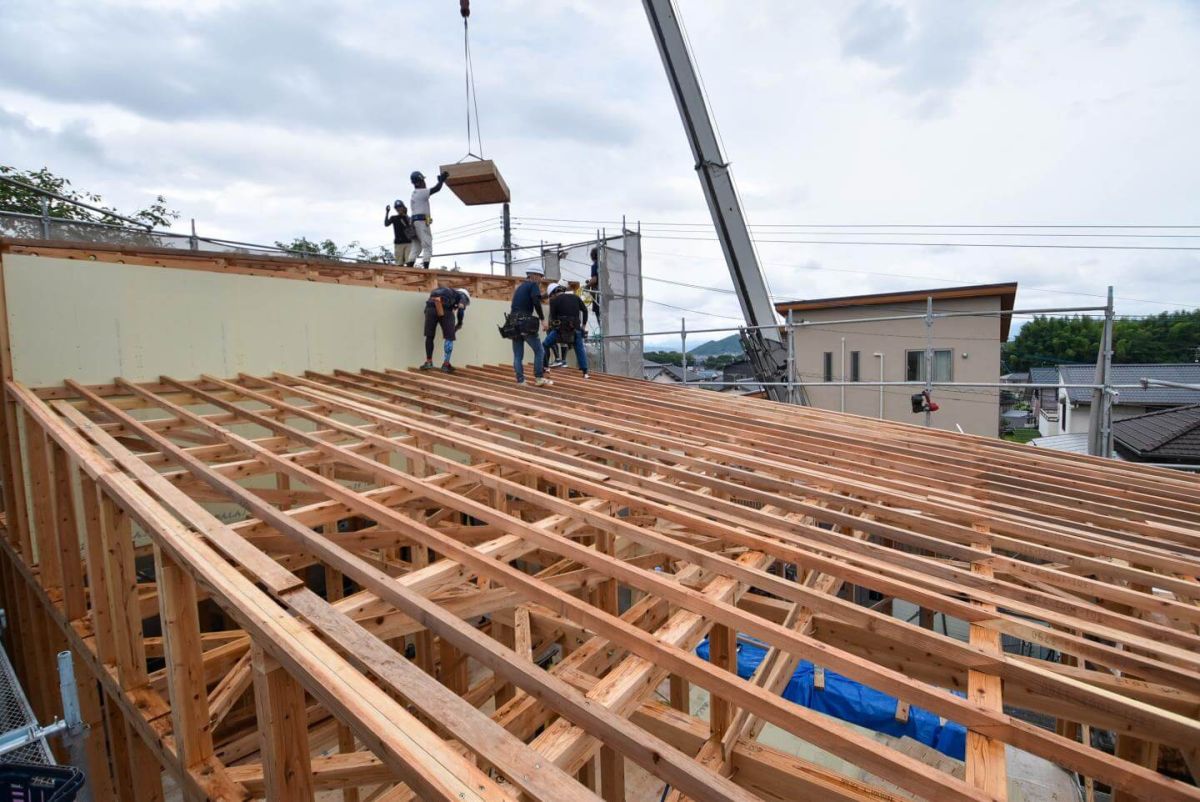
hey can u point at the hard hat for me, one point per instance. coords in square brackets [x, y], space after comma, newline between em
[535, 268]
[553, 288]
[398, 203]
[416, 176]
[464, 297]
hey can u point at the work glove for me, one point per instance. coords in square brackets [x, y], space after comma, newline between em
[443, 175]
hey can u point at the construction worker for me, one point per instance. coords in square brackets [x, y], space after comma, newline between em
[593, 284]
[421, 218]
[445, 308]
[527, 309]
[397, 217]
[568, 323]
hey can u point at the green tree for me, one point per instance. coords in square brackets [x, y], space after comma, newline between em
[331, 250]
[1166, 337]
[19, 199]
[665, 357]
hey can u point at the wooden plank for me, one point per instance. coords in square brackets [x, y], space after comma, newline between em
[283, 730]
[185, 670]
[986, 763]
[903, 771]
[542, 782]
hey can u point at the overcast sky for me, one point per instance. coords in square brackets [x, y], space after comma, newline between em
[266, 121]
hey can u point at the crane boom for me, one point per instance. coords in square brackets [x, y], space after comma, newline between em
[763, 340]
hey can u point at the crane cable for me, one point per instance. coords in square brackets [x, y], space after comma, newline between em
[464, 7]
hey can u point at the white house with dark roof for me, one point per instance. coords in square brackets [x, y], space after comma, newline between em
[1074, 404]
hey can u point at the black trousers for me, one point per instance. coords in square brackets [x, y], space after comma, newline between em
[432, 321]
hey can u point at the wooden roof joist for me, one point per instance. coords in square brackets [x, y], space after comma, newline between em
[393, 549]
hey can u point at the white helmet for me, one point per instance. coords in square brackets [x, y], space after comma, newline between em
[464, 297]
[553, 288]
[535, 269]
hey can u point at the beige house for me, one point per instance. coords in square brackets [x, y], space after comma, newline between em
[834, 347]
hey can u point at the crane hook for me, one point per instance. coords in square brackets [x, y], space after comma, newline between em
[464, 8]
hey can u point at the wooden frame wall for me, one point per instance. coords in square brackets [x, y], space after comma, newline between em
[473, 525]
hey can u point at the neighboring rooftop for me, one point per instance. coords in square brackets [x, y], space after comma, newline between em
[1181, 372]
[1164, 435]
[1072, 443]
[1044, 375]
[1007, 293]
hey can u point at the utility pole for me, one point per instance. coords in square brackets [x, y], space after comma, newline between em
[928, 358]
[1106, 445]
[507, 221]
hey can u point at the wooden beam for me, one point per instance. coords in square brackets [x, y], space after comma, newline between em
[282, 725]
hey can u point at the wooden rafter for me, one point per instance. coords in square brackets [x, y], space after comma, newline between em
[462, 533]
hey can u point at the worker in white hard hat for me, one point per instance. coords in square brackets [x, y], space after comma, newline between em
[421, 218]
[568, 324]
[527, 310]
[445, 307]
[555, 355]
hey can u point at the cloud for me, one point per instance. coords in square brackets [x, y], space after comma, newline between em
[927, 51]
[248, 62]
[19, 135]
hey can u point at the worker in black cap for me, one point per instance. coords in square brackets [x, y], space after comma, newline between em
[397, 217]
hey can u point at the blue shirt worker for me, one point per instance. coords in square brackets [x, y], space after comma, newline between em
[568, 323]
[527, 308]
[445, 308]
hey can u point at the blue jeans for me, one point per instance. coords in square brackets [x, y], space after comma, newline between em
[580, 354]
[539, 356]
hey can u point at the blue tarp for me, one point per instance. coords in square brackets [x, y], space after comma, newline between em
[856, 703]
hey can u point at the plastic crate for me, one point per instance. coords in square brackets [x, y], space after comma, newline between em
[30, 782]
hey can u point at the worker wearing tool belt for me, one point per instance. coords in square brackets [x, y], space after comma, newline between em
[397, 217]
[445, 308]
[526, 313]
[421, 219]
[568, 322]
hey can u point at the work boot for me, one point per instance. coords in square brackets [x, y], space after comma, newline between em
[427, 366]
[447, 367]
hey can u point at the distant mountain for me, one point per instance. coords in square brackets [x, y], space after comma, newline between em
[727, 345]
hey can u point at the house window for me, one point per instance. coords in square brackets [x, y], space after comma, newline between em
[827, 370]
[855, 375]
[943, 365]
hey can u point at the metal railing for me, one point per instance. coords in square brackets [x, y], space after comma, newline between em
[46, 226]
[1104, 391]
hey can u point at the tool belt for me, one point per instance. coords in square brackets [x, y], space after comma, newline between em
[565, 326]
[423, 218]
[518, 325]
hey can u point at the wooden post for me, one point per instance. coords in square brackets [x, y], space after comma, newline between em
[185, 667]
[129, 650]
[986, 764]
[722, 652]
[283, 731]
[74, 597]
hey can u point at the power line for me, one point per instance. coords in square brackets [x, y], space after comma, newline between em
[896, 243]
[880, 225]
[1024, 287]
[650, 229]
